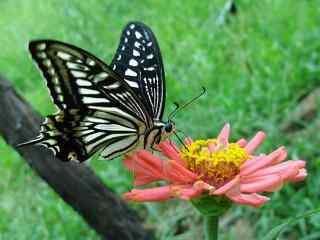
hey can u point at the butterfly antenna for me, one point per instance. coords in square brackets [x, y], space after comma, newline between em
[178, 108]
[180, 140]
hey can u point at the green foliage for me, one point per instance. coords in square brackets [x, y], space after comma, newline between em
[255, 68]
[210, 206]
[276, 231]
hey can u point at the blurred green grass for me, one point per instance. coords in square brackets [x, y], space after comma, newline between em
[255, 68]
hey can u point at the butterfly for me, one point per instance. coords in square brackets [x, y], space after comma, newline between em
[111, 109]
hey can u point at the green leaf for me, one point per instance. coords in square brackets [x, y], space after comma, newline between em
[276, 231]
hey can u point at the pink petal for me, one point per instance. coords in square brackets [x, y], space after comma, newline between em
[148, 160]
[228, 186]
[144, 163]
[185, 192]
[188, 141]
[129, 161]
[242, 142]
[300, 176]
[212, 147]
[253, 161]
[224, 134]
[282, 156]
[171, 151]
[148, 168]
[142, 160]
[268, 183]
[286, 169]
[141, 169]
[259, 162]
[174, 172]
[174, 146]
[255, 142]
[188, 193]
[150, 194]
[202, 186]
[142, 179]
[254, 200]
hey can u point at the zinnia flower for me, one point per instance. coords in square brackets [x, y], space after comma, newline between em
[215, 167]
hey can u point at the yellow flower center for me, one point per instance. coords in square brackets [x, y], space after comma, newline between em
[214, 162]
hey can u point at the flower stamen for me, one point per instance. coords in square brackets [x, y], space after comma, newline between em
[216, 162]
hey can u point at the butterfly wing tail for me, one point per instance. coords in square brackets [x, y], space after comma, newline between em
[47, 128]
[30, 142]
[56, 134]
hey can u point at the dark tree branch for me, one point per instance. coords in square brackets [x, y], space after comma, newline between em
[75, 183]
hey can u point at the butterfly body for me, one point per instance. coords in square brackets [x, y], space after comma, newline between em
[112, 109]
[158, 133]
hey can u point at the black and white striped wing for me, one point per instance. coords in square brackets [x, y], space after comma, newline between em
[74, 136]
[108, 116]
[138, 60]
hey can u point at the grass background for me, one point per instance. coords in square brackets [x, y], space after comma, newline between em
[256, 68]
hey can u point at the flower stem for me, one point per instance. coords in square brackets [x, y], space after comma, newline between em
[211, 227]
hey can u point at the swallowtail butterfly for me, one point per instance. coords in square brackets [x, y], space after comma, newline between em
[111, 109]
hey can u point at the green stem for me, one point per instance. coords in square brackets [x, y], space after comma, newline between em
[211, 227]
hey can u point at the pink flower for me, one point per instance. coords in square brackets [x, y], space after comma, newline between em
[213, 166]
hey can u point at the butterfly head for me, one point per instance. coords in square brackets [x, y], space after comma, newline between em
[167, 129]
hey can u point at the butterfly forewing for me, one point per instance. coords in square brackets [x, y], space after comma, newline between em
[138, 60]
[73, 77]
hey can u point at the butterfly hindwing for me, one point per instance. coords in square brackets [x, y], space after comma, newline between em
[138, 60]
[57, 135]
[74, 136]
[105, 130]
